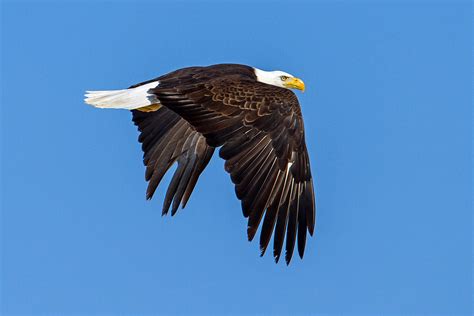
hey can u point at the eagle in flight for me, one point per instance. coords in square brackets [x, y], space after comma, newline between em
[255, 119]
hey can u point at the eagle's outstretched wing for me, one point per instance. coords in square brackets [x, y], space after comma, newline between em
[260, 129]
[167, 138]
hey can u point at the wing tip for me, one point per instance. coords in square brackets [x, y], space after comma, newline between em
[277, 258]
[301, 253]
[311, 229]
[251, 232]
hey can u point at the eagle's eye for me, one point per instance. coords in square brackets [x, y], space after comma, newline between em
[283, 78]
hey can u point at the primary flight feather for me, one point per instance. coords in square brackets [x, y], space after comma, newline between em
[255, 119]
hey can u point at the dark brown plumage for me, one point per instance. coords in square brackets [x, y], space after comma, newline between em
[259, 128]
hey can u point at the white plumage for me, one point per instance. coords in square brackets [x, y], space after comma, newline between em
[129, 99]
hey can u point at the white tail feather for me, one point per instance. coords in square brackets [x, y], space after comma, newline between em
[129, 99]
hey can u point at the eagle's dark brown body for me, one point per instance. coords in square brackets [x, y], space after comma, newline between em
[261, 132]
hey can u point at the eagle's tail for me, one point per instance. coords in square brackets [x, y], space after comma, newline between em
[129, 99]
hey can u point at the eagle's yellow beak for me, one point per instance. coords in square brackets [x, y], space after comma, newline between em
[294, 83]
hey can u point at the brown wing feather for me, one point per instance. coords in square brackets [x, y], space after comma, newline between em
[167, 139]
[260, 129]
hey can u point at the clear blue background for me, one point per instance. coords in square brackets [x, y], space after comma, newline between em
[388, 122]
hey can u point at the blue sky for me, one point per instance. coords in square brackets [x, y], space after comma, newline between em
[388, 123]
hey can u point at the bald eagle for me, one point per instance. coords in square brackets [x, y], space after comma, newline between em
[255, 119]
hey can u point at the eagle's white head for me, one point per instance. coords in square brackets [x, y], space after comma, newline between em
[279, 78]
